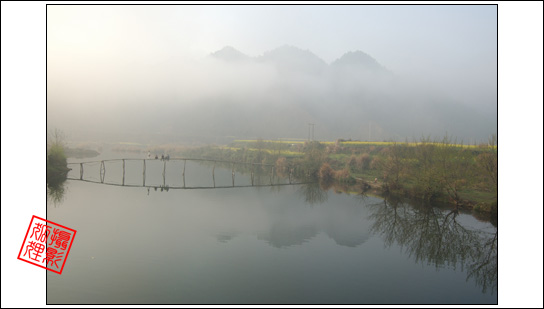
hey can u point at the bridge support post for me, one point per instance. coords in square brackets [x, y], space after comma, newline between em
[81, 171]
[233, 174]
[213, 173]
[184, 163]
[123, 172]
[252, 175]
[290, 174]
[164, 174]
[144, 174]
[102, 171]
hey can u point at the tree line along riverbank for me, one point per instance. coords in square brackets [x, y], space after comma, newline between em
[444, 171]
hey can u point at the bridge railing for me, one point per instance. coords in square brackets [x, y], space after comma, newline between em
[102, 173]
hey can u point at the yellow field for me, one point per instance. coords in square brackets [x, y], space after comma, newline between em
[268, 141]
[271, 151]
[359, 143]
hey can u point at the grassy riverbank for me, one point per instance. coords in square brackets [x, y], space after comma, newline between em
[464, 176]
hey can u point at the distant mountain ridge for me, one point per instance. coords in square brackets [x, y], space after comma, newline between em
[354, 96]
[358, 59]
[230, 54]
[291, 58]
[232, 95]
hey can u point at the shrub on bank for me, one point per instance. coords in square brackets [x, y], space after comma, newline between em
[56, 164]
[326, 173]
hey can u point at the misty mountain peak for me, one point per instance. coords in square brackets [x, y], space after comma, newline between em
[359, 59]
[290, 50]
[230, 54]
[290, 58]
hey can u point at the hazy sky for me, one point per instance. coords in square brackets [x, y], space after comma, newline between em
[104, 56]
[439, 41]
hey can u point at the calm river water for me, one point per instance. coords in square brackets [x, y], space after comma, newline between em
[293, 244]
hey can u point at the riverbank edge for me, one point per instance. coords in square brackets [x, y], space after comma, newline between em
[380, 189]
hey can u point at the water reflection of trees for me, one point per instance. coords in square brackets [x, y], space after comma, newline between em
[55, 192]
[312, 193]
[436, 236]
[317, 192]
[484, 269]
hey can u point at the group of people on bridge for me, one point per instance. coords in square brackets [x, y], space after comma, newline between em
[163, 157]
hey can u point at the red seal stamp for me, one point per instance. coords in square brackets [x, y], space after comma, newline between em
[47, 244]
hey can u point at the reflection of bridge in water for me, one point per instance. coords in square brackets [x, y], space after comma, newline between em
[253, 168]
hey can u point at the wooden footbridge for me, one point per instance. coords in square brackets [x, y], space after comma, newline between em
[254, 169]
